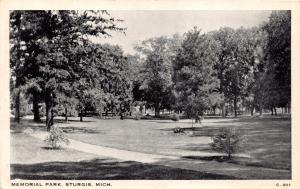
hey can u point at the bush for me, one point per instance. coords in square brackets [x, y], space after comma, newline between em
[56, 137]
[178, 130]
[175, 117]
[28, 131]
[227, 141]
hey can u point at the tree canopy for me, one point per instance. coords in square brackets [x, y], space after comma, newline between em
[54, 61]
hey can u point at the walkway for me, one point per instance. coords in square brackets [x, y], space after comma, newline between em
[238, 171]
[124, 155]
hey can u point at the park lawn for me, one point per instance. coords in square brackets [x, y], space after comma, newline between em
[31, 160]
[27, 150]
[267, 140]
[267, 145]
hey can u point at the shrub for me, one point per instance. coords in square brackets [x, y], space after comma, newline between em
[56, 137]
[175, 117]
[227, 141]
[178, 130]
[28, 131]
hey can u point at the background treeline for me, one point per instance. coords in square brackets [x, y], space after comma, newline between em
[55, 64]
[227, 69]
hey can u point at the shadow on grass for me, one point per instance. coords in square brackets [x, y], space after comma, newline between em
[57, 120]
[244, 161]
[197, 131]
[252, 119]
[81, 130]
[40, 126]
[160, 121]
[51, 148]
[208, 158]
[106, 169]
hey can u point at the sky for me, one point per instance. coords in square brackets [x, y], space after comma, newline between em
[141, 25]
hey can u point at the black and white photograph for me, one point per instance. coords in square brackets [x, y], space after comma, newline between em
[150, 95]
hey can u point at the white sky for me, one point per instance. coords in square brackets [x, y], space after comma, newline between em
[142, 25]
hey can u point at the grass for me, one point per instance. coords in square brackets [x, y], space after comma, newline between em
[31, 160]
[268, 145]
[107, 169]
[268, 140]
[29, 150]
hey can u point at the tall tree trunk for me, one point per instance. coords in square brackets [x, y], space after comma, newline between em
[100, 111]
[235, 105]
[260, 110]
[81, 115]
[156, 109]
[17, 106]
[36, 112]
[52, 116]
[223, 110]
[49, 110]
[228, 147]
[66, 113]
[18, 78]
[141, 108]
[252, 109]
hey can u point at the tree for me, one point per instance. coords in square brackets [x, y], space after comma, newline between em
[194, 76]
[228, 141]
[255, 88]
[116, 82]
[16, 58]
[67, 103]
[104, 82]
[236, 61]
[58, 33]
[224, 37]
[156, 74]
[216, 100]
[278, 75]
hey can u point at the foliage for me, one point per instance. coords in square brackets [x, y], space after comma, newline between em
[48, 51]
[56, 137]
[66, 105]
[236, 61]
[53, 61]
[178, 130]
[194, 76]
[277, 77]
[227, 140]
[155, 79]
